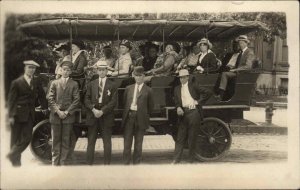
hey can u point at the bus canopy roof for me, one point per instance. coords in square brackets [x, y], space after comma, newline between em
[154, 30]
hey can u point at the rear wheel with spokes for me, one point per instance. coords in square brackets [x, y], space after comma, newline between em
[214, 140]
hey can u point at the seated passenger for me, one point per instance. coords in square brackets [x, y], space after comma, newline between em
[78, 59]
[243, 63]
[229, 60]
[108, 58]
[207, 60]
[63, 50]
[150, 57]
[123, 63]
[165, 63]
[191, 61]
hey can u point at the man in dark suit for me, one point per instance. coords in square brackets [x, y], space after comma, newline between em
[189, 98]
[139, 103]
[244, 62]
[63, 98]
[100, 100]
[21, 104]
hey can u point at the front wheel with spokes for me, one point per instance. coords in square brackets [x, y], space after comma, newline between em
[214, 140]
[41, 141]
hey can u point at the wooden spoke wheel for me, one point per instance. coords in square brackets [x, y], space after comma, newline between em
[214, 140]
[41, 142]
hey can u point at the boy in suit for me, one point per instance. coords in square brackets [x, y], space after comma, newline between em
[63, 98]
[138, 100]
[21, 104]
[189, 99]
[100, 100]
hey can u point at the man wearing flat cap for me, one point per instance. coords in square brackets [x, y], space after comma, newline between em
[124, 62]
[243, 62]
[78, 58]
[189, 98]
[21, 104]
[63, 99]
[100, 100]
[138, 100]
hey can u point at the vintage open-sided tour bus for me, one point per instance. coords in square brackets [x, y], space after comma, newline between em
[215, 136]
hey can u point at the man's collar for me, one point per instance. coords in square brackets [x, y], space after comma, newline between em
[244, 49]
[103, 79]
[186, 84]
[27, 77]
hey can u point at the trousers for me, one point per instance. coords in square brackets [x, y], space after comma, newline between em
[188, 127]
[105, 132]
[21, 134]
[224, 79]
[60, 143]
[132, 130]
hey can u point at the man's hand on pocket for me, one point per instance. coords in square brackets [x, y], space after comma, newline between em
[180, 112]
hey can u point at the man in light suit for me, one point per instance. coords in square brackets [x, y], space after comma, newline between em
[189, 98]
[138, 100]
[244, 62]
[100, 100]
[63, 98]
[21, 103]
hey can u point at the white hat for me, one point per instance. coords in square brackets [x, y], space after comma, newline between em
[183, 72]
[205, 41]
[243, 38]
[101, 64]
[31, 62]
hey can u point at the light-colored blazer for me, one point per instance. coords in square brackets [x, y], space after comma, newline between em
[246, 60]
[67, 99]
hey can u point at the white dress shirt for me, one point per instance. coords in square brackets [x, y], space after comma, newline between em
[186, 98]
[233, 60]
[133, 105]
[103, 85]
[202, 56]
[28, 79]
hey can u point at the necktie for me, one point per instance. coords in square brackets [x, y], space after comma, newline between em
[238, 60]
[31, 84]
[64, 83]
[100, 88]
[136, 95]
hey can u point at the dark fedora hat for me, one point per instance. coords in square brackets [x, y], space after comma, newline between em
[79, 43]
[138, 71]
[126, 43]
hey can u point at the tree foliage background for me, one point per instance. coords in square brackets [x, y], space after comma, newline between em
[19, 47]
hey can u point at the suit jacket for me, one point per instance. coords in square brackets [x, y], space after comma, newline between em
[78, 65]
[109, 100]
[145, 105]
[67, 99]
[21, 98]
[209, 62]
[200, 94]
[246, 60]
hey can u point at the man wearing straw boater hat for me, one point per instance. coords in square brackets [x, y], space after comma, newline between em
[244, 62]
[189, 98]
[138, 104]
[100, 100]
[63, 98]
[21, 105]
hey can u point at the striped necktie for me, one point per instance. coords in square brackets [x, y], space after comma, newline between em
[100, 88]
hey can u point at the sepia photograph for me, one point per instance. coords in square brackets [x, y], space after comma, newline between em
[149, 95]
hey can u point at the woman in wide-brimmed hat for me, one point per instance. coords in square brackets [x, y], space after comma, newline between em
[79, 59]
[207, 61]
[165, 64]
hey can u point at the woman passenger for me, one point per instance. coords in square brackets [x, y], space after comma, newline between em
[164, 67]
[207, 61]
